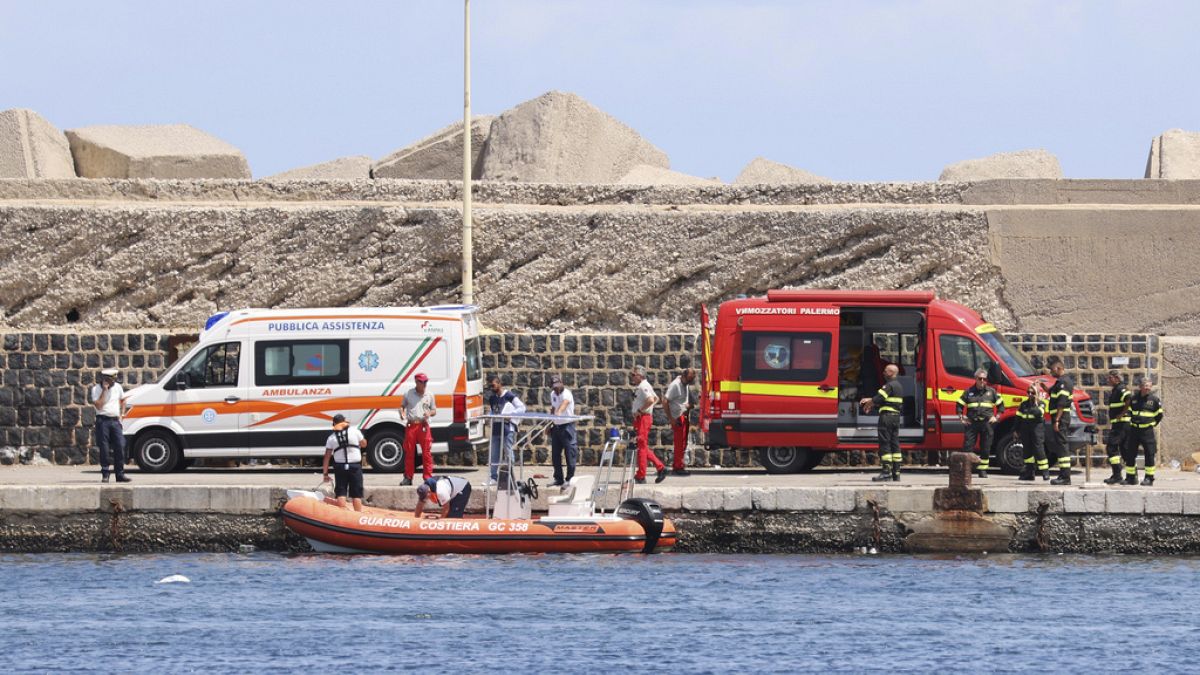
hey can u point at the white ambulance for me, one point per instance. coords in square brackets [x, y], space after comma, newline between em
[266, 383]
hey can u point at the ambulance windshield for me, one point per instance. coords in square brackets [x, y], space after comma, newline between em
[1015, 360]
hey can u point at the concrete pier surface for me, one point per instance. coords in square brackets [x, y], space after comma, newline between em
[62, 508]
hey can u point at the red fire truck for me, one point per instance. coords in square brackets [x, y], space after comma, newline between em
[783, 374]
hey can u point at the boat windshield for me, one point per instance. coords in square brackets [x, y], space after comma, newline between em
[1014, 359]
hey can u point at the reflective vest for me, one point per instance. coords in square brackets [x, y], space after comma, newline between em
[1030, 412]
[1117, 398]
[889, 398]
[1060, 397]
[1146, 411]
[980, 403]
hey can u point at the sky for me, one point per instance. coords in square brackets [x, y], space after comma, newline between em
[852, 90]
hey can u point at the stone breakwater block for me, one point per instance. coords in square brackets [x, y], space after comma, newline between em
[840, 499]
[1164, 502]
[438, 156]
[163, 151]
[31, 147]
[186, 498]
[561, 138]
[344, 168]
[1175, 154]
[793, 498]
[905, 500]
[701, 499]
[1130, 500]
[736, 499]
[13, 498]
[670, 499]
[644, 174]
[1084, 501]
[1054, 498]
[1006, 501]
[1020, 164]
[64, 498]
[240, 499]
[762, 171]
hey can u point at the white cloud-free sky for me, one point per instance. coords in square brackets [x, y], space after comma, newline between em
[853, 90]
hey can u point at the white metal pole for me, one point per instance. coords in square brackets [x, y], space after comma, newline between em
[468, 291]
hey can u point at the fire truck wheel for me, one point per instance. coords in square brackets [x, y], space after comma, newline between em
[1008, 450]
[788, 459]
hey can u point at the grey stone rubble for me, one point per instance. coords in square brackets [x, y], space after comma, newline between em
[154, 151]
[644, 174]
[31, 147]
[1021, 164]
[1174, 155]
[343, 168]
[762, 171]
[438, 156]
[560, 138]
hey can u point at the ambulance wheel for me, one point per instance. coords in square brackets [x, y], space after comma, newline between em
[385, 451]
[789, 459]
[156, 452]
[1008, 451]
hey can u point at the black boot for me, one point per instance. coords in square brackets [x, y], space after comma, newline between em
[1064, 476]
[983, 468]
[885, 473]
[896, 471]
[1130, 478]
[1148, 480]
[1026, 473]
[1115, 478]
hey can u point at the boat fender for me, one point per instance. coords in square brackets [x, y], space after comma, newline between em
[649, 515]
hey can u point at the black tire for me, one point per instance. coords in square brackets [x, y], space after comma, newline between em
[156, 452]
[1008, 452]
[385, 451]
[789, 459]
[183, 463]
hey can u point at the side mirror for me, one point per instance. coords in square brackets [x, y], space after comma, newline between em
[995, 375]
[182, 381]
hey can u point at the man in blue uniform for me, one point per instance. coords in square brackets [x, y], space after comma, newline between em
[978, 408]
[1145, 412]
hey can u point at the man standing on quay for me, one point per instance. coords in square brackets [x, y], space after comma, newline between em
[888, 401]
[644, 399]
[679, 405]
[562, 435]
[418, 406]
[110, 438]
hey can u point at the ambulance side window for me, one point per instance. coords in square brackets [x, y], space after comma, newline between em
[215, 366]
[791, 357]
[280, 362]
[962, 356]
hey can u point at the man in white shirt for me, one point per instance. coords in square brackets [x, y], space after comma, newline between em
[344, 447]
[644, 399]
[419, 405]
[562, 434]
[449, 492]
[679, 405]
[110, 439]
[501, 401]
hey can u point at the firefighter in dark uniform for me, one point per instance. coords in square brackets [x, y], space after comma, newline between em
[1145, 412]
[1031, 429]
[978, 408]
[889, 401]
[1058, 421]
[1118, 418]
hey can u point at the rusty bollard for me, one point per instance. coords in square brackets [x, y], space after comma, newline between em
[958, 524]
[960, 496]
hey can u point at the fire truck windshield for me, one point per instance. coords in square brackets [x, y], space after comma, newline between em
[1015, 360]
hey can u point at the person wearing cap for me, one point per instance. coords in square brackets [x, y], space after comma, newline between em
[978, 409]
[644, 399]
[679, 404]
[110, 438]
[418, 406]
[449, 492]
[562, 434]
[344, 447]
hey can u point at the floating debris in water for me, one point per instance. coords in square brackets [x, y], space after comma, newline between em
[174, 579]
[422, 616]
[247, 548]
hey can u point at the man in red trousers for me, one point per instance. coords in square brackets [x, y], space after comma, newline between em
[418, 406]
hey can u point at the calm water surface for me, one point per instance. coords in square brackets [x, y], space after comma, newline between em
[689, 613]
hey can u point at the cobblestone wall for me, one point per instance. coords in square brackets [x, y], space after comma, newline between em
[46, 375]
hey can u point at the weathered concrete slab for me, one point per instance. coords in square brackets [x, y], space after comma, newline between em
[1020, 164]
[1006, 501]
[241, 499]
[31, 147]
[840, 499]
[343, 168]
[1174, 155]
[1191, 504]
[1054, 498]
[561, 138]
[1162, 501]
[154, 151]
[1179, 435]
[1084, 501]
[174, 498]
[799, 499]
[902, 500]
[762, 171]
[1129, 500]
[438, 156]
[1082, 291]
[644, 174]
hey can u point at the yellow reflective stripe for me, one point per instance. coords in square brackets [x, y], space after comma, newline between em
[981, 405]
[772, 389]
[985, 328]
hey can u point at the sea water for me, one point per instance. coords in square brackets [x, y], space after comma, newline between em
[264, 612]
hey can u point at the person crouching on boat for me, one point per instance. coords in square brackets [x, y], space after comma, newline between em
[449, 492]
[345, 446]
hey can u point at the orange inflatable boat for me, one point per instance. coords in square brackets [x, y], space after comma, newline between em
[637, 525]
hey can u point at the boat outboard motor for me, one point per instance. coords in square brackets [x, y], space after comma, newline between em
[649, 515]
